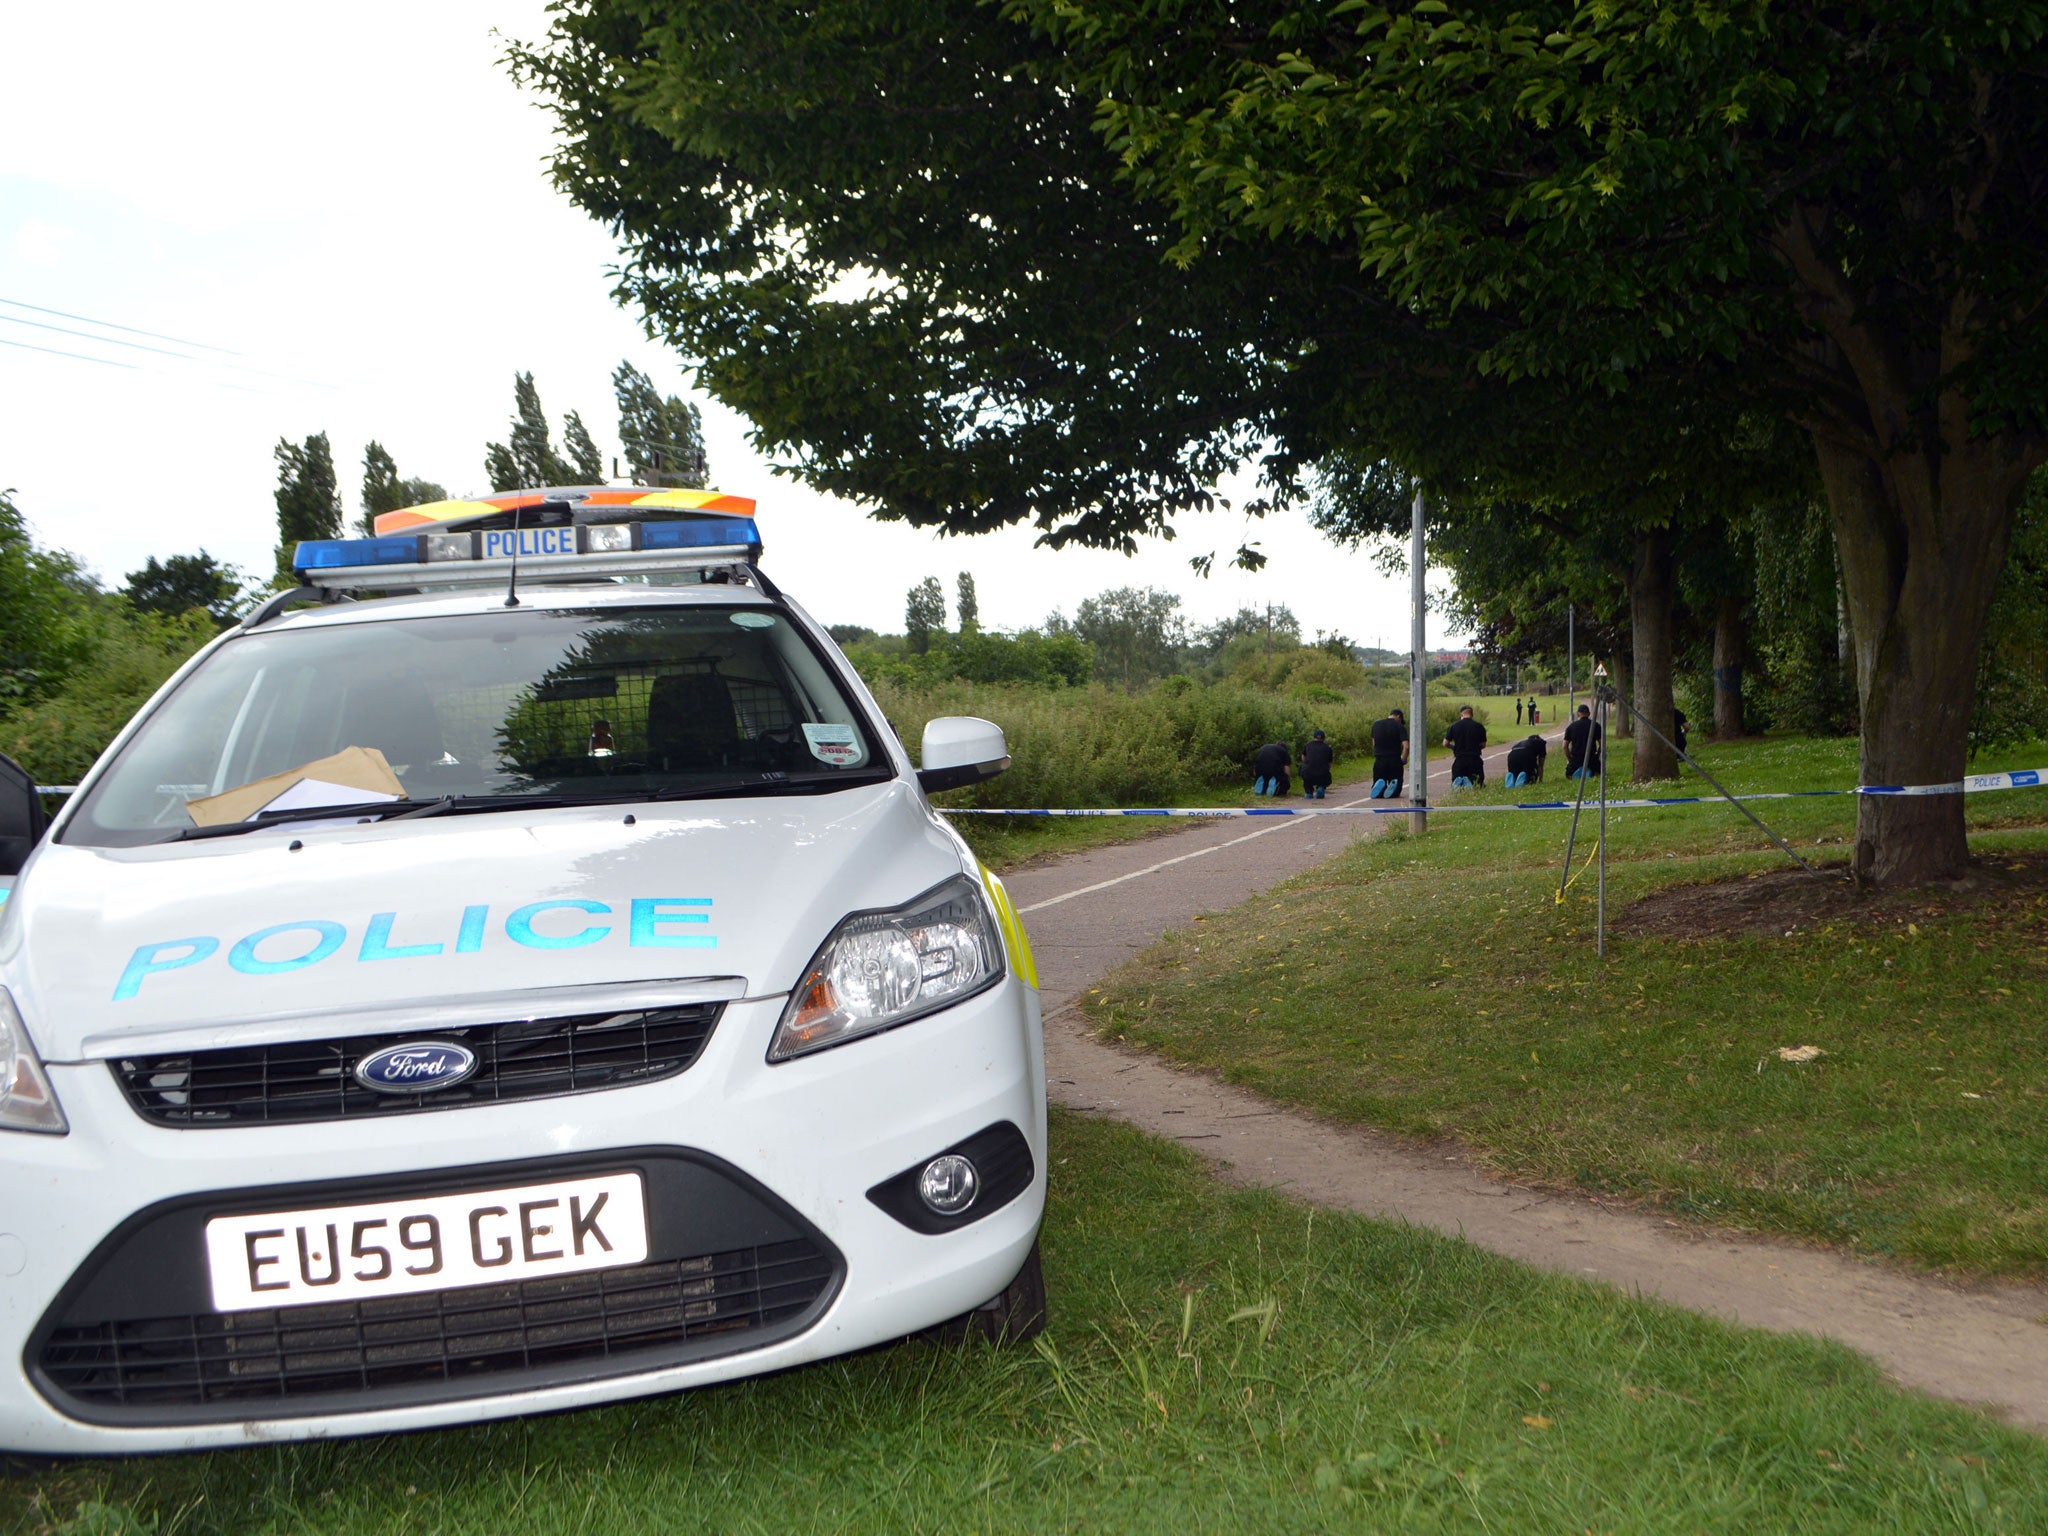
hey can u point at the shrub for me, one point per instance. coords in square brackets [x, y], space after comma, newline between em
[130, 654]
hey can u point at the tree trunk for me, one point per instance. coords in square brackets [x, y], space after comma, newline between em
[1922, 507]
[1649, 615]
[1619, 721]
[1922, 537]
[1731, 652]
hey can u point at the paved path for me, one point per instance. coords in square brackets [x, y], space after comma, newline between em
[1985, 1345]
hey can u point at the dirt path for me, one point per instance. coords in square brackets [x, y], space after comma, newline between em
[1985, 1345]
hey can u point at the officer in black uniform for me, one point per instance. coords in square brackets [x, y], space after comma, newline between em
[1389, 754]
[1579, 736]
[1316, 758]
[1269, 769]
[1467, 739]
[1525, 761]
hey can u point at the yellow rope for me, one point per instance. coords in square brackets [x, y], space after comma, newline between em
[1582, 869]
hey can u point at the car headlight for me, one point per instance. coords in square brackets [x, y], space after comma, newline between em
[880, 969]
[26, 1101]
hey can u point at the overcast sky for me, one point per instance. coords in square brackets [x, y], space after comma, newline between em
[340, 217]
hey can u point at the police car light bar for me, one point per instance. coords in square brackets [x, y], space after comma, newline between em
[484, 556]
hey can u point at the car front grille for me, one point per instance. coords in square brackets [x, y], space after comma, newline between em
[307, 1080]
[576, 1326]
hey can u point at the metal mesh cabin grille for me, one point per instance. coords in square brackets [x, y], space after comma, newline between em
[305, 1080]
[736, 1300]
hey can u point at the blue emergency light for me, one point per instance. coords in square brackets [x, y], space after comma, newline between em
[321, 554]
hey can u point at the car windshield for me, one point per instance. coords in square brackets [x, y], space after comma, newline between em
[524, 704]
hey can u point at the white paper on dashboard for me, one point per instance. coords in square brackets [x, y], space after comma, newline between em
[317, 794]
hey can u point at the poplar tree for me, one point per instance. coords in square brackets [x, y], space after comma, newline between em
[527, 459]
[663, 437]
[924, 613]
[308, 498]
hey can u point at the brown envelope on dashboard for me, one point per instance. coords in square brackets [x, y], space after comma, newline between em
[362, 768]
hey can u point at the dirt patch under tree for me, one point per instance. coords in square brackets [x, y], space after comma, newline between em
[1784, 901]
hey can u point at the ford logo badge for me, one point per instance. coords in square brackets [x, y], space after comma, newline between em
[416, 1067]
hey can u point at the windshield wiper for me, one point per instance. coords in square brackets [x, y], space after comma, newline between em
[360, 810]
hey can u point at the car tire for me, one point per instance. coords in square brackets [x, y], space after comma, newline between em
[1015, 1315]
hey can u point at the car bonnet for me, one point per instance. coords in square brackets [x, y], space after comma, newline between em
[200, 944]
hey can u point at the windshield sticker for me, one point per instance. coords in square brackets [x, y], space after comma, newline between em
[832, 744]
[754, 620]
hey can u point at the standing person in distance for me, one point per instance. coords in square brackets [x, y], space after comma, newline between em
[1518, 709]
[1269, 769]
[1467, 739]
[1582, 746]
[1532, 709]
[1389, 754]
[1316, 758]
[1678, 725]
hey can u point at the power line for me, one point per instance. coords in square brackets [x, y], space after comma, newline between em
[105, 341]
[183, 357]
[111, 326]
[160, 351]
[105, 362]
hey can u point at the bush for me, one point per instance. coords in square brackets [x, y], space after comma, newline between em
[57, 738]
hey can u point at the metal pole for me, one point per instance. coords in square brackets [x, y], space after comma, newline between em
[1418, 724]
[1600, 736]
[1571, 667]
[1571, 837]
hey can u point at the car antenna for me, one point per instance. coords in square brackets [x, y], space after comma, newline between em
[512, 586]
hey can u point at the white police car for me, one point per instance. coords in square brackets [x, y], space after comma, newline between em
[544, 984]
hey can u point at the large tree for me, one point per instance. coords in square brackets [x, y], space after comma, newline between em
[890, 233]
[1848, 204]
[1138, 633]
[308, 497]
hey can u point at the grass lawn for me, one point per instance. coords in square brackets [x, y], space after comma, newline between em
[1219, 1361]
[1438, 989]
[1497, 712]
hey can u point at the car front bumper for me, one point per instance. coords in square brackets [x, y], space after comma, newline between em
[806, 1139]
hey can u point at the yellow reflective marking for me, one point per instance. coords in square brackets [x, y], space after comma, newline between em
[1015, 939]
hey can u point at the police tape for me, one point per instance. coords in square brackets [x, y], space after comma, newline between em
[1977, 783]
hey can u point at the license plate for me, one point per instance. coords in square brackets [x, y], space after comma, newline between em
[426, 1243]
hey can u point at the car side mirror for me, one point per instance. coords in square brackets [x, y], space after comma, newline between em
[22, 819]
[960, 750]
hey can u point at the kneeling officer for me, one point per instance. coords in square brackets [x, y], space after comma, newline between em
[1467, 739]
[1389, 754]
[1316, 758]
[1269, 769]
[1525, 761]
